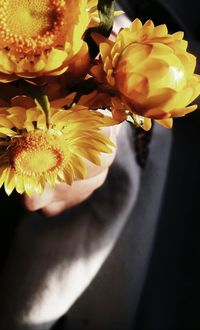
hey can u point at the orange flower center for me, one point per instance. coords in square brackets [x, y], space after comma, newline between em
[37, 153]
[30, 25]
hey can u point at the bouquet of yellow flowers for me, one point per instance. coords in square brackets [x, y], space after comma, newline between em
[58, 67]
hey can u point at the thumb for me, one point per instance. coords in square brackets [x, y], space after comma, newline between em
[38, 201]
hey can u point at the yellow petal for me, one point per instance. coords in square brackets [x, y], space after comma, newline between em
[3, 175]
[90, 155]
[160, 31]
[55, 59]
[195, 84]
[180, 99]
[6, 65]
[9, 183]
[98, 72]
[16, 110]
[68, 178]
[156, 113]
[105, 52]
[17, 116]
[178, 35]
[22, 101]
[147, 124]
[136, 25]
[167, 122]
[7, 131]
[5, 122]
[161, 99]
[136, 83]
[161, 50]
[180, 112]
[189, 63]
[99, 39]
[146, 30]
[20, 184]
[134, 55]
[79, 167]
[29, 185]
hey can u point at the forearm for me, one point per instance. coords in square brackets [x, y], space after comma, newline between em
[53, 260]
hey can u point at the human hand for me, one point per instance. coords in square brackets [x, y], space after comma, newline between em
[63, 196]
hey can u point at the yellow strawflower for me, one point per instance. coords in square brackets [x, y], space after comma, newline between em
[33, 154]
[41, 37]
[150, 71]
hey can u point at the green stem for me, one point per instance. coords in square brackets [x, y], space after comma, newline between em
[38, 94]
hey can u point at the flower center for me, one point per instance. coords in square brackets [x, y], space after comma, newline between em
[30, 25]
[37, 153]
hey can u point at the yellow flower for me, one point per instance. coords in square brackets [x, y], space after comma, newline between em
[40, 37]
[32, 154]
[150, 71]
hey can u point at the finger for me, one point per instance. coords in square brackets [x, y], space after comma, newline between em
[36, 201]
[80, 192]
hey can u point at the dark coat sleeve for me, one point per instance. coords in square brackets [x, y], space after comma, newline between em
[170, 298]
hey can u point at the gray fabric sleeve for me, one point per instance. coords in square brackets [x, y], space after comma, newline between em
[112, 299]
[48, 255]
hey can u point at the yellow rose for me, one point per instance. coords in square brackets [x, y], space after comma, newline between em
[150, 70]
[40, 37]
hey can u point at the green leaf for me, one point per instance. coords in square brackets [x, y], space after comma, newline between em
[106, 16]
